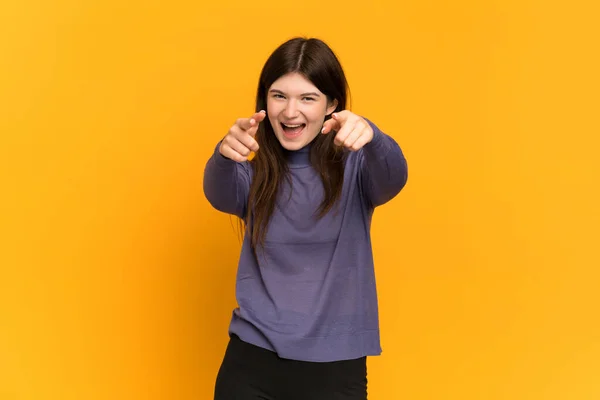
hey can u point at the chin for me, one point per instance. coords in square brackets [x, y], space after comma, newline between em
[292, 144]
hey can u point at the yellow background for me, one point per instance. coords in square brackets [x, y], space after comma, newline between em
[117, 278]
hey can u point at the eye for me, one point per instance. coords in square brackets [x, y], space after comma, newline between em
[278, 96]
[309, 99]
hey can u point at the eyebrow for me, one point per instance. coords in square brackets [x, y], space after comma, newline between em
[303, 94]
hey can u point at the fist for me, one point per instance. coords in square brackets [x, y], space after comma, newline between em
[351, 131]
[239, 141]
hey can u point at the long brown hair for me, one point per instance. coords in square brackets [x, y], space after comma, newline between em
[316, 61]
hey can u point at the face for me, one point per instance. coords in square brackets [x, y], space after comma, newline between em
[296, 110]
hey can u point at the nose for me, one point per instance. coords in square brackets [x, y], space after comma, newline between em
[291, 111]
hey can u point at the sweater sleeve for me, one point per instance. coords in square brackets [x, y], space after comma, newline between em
[227, 184]
[383, 168]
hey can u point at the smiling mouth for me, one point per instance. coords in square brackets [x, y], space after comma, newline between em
[292, 130]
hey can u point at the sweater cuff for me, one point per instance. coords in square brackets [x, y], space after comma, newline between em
[220, 160]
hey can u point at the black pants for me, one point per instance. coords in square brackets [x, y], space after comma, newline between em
[249, 372]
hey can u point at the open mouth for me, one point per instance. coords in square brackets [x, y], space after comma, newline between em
[291, 131]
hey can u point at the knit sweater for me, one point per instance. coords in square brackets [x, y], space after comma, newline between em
[310, 294]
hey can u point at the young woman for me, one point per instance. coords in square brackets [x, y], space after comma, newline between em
[308, 314]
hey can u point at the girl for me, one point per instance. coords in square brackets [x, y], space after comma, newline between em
[308, 314]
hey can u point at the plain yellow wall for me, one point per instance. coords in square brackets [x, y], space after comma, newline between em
[117, 277]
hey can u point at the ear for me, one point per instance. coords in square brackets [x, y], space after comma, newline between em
[332, 106]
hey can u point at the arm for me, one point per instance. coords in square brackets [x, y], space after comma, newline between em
[227, 184]
[227, 172]
[382, 167]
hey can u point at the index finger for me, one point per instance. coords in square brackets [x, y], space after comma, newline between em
[246, 124]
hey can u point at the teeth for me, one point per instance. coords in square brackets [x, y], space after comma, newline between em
[292, 126]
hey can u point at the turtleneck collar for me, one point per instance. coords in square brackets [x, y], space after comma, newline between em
[299, 158]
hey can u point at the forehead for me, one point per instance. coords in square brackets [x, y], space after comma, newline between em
[294, 83]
